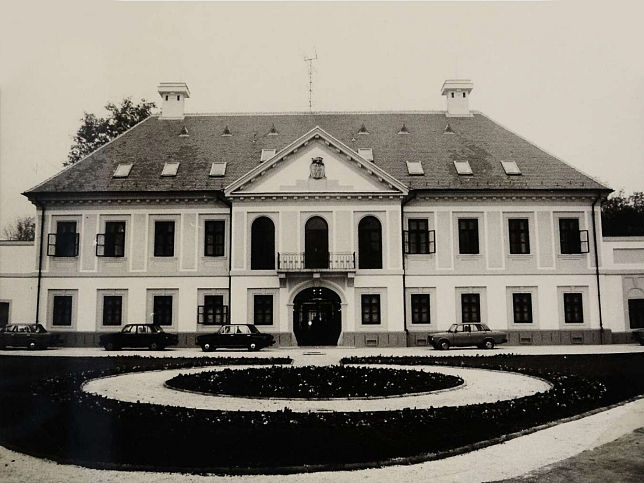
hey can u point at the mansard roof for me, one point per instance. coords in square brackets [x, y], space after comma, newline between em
[197, 141]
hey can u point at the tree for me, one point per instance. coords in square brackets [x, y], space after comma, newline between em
[95, 131]
[623, 215]
[23, 229]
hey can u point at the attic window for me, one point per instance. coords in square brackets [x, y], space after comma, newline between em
[366, 153]
[226, 132]
[266, 155]
[170, 169]
[511, 168]
[217, 169]
[448, 129]
[273, 131]
[122, 170]
[184, 132]
[463, 167]
[415, 168]
[363, 129]
[403, 129]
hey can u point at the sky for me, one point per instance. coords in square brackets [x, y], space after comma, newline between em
[567, 75]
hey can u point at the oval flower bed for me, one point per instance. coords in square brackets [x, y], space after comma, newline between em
[314, 382]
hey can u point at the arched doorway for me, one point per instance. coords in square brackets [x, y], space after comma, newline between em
[317, 317]
[316, 243]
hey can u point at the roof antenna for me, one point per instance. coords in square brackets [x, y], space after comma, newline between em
[310, 61]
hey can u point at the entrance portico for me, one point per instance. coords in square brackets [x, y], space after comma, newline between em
[317, 317]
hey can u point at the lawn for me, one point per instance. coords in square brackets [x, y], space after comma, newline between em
[45, 414]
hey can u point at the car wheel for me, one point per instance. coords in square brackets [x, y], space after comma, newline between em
[444, 345]
[31, 345]
[252, 346]
[154, 346]
[110, 346]
[207, 347]
[488, 344]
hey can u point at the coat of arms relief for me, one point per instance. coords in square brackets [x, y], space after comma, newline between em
[317, 168]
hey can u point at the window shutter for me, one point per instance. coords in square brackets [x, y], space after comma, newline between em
[406, 240]
[432, 241]
[51, 244]
[100, 245]
[583, 241]
[200, 312]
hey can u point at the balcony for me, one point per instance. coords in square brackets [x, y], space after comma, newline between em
[316, 262]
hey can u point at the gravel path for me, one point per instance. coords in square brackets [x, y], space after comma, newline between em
[480, 386]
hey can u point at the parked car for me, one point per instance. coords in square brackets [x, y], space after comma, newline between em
[234, 336]
[139, 335]
[638, 336]
[461, 335]
[31, 336]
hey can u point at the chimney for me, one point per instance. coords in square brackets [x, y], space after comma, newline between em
[173, 96]
[458, 95]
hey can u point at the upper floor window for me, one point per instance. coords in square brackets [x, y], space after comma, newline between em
[262, 244]
[519, 236]
[316, 243]
[112, 242]
[370, 309]
[418, 238]
[572, 239]
[370, 243]
[164, 239]
[468, 236]
[573, 308]
[63, 243]
[214, 238]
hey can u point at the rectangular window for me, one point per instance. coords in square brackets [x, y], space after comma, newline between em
[62, 311]
[371, 309]
[636, 313]
[468, 236]
[418, 236]
[213, 311]
[573, 308]
[569, 235]
[471, 307]
[66, 240]
[4, 313]
[522, 307]
[164, 239]
[214, 238]
[112, 309]
[114, 239]
[519, 236]
[420, 308]
[263, 310]
[162, 314]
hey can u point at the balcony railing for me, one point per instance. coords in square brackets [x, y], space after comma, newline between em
[329, 262]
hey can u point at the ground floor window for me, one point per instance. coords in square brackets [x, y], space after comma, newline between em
[162, 311]
[370, 309]
[636, 313]
[213, 311]
[263, 311]
[62, 316]
[522, 307]
[112, 310]
[4, 313]
[470, 307]
[573, 308]
[420, 308]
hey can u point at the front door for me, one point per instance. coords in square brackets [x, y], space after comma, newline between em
[317, 318]
[316, 243]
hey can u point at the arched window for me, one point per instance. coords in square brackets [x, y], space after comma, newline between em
[316, 243]
[262, 244]
[370, 243]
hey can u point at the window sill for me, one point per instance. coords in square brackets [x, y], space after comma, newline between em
[468, 256]
[520, 256]
[571, 256]
[158, 258]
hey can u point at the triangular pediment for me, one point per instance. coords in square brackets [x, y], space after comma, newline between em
[316, 163]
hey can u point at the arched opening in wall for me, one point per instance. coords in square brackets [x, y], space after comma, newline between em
[369, 243]
[316, 243]
[262, 244]
[317, 317]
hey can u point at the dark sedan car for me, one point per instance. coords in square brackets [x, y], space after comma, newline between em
[235, 336]
[139, 335]
[31, 336]
[462, 335]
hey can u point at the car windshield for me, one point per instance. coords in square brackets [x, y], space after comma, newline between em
[484, 327]
[156, 328]
[38, 328]
[453, 328]
[253, 329]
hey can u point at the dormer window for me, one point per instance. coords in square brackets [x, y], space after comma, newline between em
[448, 129]
[463, 168]
[363, 130]
[226, 132]
[415, 168]
[403, 129]
[366, 153]
[511, 168]
[122, 170]
[217, 170]
[170, 169]
[266, 155]
[273, 131]
[184, 132]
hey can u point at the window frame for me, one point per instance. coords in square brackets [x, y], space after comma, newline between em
[164, 242]
[370, 309]
[64, 244]
[106, 243]
[56, 310]
[468, 237]
[219, 317]
[466, 308]
[261, 257]
[155, 313]
[576, 298]
[570, 242]
[522, 310]
[217, 246]
[112, 298]
[518, 228]
[263, 309]
[370, 249]
[421, 310]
